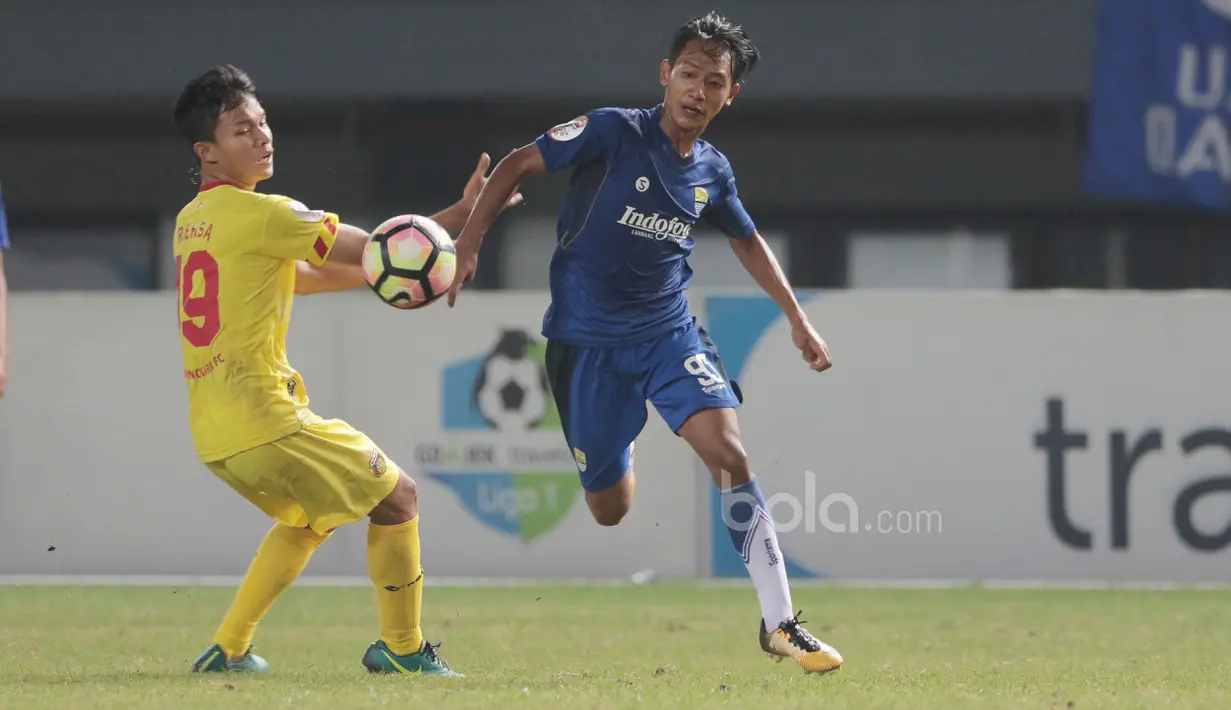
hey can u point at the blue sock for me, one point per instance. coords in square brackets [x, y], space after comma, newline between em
[739, 506]
[756, 542]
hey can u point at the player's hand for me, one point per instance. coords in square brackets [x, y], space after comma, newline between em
[467, 264]
[813, 349]
[478, 179]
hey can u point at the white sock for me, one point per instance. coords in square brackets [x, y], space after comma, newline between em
[756, 542]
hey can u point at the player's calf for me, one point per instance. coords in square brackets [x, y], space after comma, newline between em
[714, 435]
[397, 574]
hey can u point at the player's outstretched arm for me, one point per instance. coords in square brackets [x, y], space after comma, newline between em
[500, 188]
[453, 218]
[760, 263]
[340, 271]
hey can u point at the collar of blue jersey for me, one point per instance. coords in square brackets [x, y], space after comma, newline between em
[666, 140]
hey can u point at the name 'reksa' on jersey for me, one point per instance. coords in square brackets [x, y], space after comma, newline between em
[625, 230]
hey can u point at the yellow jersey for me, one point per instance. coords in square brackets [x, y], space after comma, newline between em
[235, 255]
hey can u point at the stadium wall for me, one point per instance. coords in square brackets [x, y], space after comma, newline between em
[824, 49]
[1059, 436]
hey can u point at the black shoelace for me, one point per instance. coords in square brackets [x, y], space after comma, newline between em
[798, 635]
[430, 650]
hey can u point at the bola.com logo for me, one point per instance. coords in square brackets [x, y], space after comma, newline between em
[835, 512]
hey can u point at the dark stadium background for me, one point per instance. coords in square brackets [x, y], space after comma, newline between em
[955, 125]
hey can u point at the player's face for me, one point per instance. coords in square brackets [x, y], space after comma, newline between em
[698, 86]
[243, 145]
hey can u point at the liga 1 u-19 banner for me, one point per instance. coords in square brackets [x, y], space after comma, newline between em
[1031, 436]
[1159, 103]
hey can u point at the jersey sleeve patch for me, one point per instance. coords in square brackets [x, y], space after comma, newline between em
[292, 231]
[569, 130]
[301, 211]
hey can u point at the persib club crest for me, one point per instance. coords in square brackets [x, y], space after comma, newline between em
[701, 198]
[503, 454]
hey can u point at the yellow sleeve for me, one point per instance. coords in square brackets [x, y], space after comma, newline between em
[292, 231]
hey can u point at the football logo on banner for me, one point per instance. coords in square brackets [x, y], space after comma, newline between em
[504, 456]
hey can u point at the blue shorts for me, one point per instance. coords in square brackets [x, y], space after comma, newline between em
[601, 394]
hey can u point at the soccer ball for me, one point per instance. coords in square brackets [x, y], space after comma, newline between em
[511, 390]
[409, 261]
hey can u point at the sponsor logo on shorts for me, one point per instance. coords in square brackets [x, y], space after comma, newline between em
[378, 464]
[706, 372]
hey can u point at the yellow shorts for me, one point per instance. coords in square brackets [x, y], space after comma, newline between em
[325, 475]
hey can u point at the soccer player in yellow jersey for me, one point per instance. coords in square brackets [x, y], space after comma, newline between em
[241, 256]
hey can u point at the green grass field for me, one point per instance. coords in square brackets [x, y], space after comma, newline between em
[672, 645]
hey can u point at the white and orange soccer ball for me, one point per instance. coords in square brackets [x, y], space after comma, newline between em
[409, 261]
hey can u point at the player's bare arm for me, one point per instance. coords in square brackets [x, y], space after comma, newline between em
[760, 263]
[500, 189]
[454, 218]
[4, 342]
[327, 278]
[342, 272]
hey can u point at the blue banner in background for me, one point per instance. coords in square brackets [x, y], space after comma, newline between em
[1160, 103]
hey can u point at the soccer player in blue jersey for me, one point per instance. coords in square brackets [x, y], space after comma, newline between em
[4, 297]
[619, 328]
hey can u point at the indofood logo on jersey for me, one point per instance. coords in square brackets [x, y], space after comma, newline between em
[655, 226]
[504, 456]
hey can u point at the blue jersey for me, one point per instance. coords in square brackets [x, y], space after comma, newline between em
[620, 266]
[4, 226]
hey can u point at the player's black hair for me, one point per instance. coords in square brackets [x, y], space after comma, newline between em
[207, 97]
[718, 36]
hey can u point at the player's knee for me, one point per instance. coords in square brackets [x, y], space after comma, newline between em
[610, 506]
[608, 515]
[400, 506]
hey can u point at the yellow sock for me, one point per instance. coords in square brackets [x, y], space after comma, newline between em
[280, 559]
[393, 565]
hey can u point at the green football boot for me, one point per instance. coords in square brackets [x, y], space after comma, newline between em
[425, 661]
[214, 660]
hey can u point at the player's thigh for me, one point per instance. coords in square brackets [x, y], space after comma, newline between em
[601, 412]
[685, 375]
[331, 470]
[284, 510]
